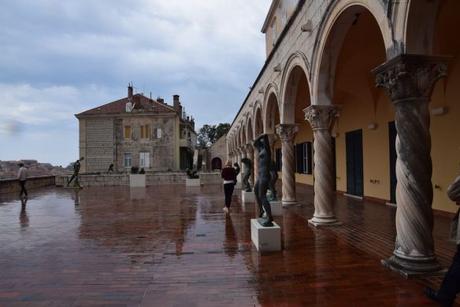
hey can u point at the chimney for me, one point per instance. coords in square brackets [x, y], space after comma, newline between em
[160, 100]
[177, 105]
[130, 91]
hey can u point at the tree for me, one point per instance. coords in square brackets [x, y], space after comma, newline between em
[222, 130]
[209, 134]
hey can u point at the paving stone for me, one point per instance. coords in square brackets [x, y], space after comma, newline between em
[177, 248]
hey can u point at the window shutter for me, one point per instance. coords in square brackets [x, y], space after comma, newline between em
[299, 158]
[309, 158]
[279, 158]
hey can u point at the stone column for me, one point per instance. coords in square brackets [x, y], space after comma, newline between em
[409, 81]
[272, 138]
[287, 134]
[250, 155]
[322, 119]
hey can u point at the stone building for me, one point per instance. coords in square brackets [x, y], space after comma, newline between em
[136, 131]
[361, 97]
[217, 154]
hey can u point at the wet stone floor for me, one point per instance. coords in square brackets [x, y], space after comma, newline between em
[173, 246]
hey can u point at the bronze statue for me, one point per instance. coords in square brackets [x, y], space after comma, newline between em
[263, 180]
[192, 174]
[76, 172]
[247, 170]
[273, 179]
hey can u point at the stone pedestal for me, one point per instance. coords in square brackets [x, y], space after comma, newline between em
[248, 197]
[277, 208]
[266, 239]
[192, 182]
[238, 181]
[137, 180]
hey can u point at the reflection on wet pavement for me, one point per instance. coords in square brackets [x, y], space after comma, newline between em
[172, 246]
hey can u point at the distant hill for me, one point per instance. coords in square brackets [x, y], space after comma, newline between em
[9, 169]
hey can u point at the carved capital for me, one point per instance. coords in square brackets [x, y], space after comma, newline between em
[409, 76]
[321, 117]
[287, 132]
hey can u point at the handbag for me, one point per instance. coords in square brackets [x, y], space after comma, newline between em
[454, 229]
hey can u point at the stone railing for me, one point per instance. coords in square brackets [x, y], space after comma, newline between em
[210, 178]
[88, 180]
[12, 185]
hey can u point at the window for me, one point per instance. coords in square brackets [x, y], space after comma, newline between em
[159, 132]
[278, 160]
[145, 131]
[128, 132]
[127, 160]
[144, 159]
[304, 158]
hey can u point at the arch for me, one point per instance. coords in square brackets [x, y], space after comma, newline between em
[249, 130]
[296, 63]
[238, 137]
[419, 36]
[271, 101]
[242, 135]
[330, 38]
[216, 163]
[258, 124]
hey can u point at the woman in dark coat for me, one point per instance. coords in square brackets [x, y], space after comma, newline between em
[229, 176]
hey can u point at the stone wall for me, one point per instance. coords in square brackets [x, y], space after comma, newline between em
[98, 144]
[218, 150]
[123, 179]
[210, 178]
[12, 185]
[151, 179]
[161, 146]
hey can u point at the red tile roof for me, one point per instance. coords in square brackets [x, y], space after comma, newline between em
[141, 102]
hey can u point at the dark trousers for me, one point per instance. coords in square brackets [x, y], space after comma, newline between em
[228, 190]
[451, 284]
[22, 183]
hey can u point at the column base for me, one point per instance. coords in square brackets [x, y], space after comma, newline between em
[289, 203]
[324, 221]
[424, 266]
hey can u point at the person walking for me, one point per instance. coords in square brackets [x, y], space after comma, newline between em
[450, 286]
[229, 175]
[22, 177]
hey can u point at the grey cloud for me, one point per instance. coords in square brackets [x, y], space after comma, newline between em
[209, 52]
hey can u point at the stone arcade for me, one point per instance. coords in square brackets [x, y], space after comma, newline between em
[319, 97]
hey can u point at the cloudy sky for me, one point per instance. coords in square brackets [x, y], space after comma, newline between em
[61, 57]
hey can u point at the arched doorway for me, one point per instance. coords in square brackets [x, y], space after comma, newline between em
[296, 100]
[354, 47]
[271, 120]
[216, 163]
